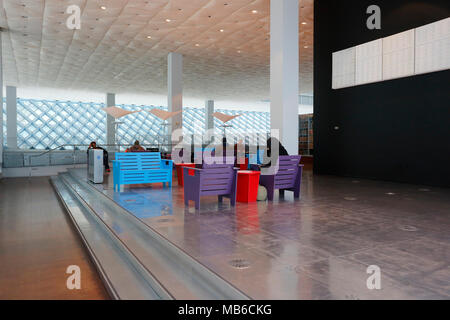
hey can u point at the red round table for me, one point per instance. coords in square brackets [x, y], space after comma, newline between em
[180, 171]
[247, 185]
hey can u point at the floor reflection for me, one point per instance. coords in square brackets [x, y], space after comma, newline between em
[317, 247]
[146, 203]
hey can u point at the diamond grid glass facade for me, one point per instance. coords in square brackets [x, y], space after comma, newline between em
[45, 124]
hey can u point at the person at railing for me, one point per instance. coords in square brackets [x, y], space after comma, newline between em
[136, 147]
[93, 145]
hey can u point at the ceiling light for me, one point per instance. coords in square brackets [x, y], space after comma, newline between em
[197, 45]
[221, 30]
[149, 37]
[303, 22]
[168, 20]
[239, 51]
[254, 11]
[306, 47]
[103, 7]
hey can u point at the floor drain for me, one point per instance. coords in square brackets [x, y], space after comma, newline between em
[240, 264]
[164, 220]
[408, 228]
[350, 198]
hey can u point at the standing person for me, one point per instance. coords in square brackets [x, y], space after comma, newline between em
[93, 145]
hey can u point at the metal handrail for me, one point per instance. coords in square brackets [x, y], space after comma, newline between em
[87, 145]
[58, 147]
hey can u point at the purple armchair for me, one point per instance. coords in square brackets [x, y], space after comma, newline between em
[212, 179]
[288, 177]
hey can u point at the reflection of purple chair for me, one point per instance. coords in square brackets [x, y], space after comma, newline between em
[212, 179]
[288, 177]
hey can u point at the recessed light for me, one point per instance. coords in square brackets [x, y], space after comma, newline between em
[197, 45]
[149, 37]
[103, 7]
[221, 30]
[306, 47]
[239, 51]
[168, 20]
[254, 11]
[303, 22]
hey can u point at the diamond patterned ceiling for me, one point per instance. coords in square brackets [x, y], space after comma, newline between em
[123, 49]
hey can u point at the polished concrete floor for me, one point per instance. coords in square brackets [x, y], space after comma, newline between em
[38, 243]
[318, 247]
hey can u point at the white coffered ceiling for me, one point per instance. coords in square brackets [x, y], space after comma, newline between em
[124, 47]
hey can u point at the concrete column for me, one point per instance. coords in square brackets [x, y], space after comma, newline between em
[284, 74]
[209, 119]
[175, 89]
[110, 127]
[11, 117]
[1, 104]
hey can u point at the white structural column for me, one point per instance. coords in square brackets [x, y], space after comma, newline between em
[284, 74]
[209, 110]
[209, 119]
[1, 104]
[175, 89]
[110, 126]
[11, 117]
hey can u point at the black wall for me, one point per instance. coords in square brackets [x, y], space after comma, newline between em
[396, 130]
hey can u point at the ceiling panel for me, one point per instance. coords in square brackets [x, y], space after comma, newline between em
[124, 48]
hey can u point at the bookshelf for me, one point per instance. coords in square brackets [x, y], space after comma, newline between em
[305, 140]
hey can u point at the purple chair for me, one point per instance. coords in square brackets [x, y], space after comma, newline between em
[288, 177]
[212, 179]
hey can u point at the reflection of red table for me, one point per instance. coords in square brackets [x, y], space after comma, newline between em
[180, 171]
[247, 188]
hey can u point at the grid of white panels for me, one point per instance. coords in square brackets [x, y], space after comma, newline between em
[369, 62]
[433, 47]
[398, 55]
[416, 51]
[344, 68]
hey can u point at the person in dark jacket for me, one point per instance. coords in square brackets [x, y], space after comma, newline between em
[93, 145]
[277, 144]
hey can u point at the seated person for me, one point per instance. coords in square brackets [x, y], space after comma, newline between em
[136, 147]
[281, 150]
[93, 145]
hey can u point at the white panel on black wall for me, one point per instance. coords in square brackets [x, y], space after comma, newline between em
[398, 55]
[369, 57]
[344, 68]
[433, 47]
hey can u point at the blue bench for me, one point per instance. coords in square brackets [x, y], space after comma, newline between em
[141, 167]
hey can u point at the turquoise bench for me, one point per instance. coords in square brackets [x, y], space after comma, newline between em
[141, 167]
